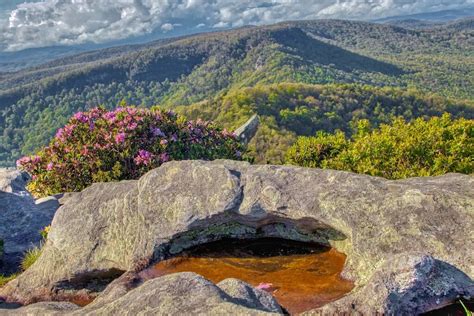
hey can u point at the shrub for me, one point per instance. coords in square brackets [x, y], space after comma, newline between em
[318, 151]
[100, 146]
[395, 151]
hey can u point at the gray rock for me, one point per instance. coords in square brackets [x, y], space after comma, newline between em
[249, 296]
[21, 219]
[128, 225]
[13, 181]
[408, 284]
[42, 308]
[247, 131]
[63, 197]
[182, 294]
[175, 294]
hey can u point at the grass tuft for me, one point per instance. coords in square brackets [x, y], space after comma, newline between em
[30, 257]
[4, 280]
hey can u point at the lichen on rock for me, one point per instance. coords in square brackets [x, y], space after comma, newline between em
[379, 224]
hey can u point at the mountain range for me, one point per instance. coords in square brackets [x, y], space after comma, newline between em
[437, 16]
[14, 61]
[357, 67]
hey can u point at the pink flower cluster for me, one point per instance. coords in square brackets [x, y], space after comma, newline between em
[120, 138]
[143, 158]
[101, 145]
[28, 160]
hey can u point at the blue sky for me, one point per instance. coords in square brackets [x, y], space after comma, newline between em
[8, 5]
[35, 23]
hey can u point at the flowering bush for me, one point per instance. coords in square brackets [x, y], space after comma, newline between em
[99, 146]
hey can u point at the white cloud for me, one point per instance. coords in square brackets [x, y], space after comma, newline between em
[167, 27]
[53, 22]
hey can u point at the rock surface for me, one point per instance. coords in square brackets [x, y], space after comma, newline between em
[21, 218]
[175, 294]
[408, 284]
[42, 308]
[246, 295]
[13, 181]
[247, 131]
[127, 226]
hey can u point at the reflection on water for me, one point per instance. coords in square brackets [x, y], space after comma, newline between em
[303, 275]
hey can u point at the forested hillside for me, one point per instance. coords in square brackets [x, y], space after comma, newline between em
[206, 71]
[289, 110]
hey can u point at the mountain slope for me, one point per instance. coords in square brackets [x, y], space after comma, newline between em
[35, 102]
[437, 16]
[13, 61]
[288, 110]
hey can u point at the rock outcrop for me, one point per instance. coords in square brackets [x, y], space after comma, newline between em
[13, 181]
[407, 284]
[247, 131]
[21, 218]
[176, 294]
[417, 228]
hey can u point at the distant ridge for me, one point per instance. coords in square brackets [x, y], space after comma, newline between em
[187, 70]
[437, 16]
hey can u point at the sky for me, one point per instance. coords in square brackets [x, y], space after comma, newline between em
[42, 23]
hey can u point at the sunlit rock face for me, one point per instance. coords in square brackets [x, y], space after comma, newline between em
[111, 228]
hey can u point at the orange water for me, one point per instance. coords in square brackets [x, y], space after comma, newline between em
[303, 276]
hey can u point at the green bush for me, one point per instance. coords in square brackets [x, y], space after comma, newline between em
[396, 151]
[100, 146]
[317, 151]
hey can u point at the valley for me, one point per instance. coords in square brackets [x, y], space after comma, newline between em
[193, 73]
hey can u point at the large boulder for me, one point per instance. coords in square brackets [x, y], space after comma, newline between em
[407, 284]
[13, 181]
[175, 294]
[111, 228]
[247, 131]
[21, 218]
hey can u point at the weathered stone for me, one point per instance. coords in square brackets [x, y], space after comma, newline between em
[408, 284]
[13, 181]
[42, 308]
[182, 294]
[62, 198]
[175, 294]
[21, 219]
[247, 131]
[128, 225]
[249, 296]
